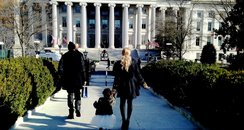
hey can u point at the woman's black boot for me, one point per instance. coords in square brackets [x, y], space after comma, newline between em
[123, 126]
[127, 123]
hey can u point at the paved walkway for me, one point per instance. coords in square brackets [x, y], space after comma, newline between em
[149, 112]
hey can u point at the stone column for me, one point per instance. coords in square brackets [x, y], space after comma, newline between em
[83, 25]
[98, 26]
[203, 29]
[153, 22]
[54, 20]
[30, 21]
[163, 9]
[74, 33]
[135, 29]
[187, 16]
[186, 27]
[60, 34]
[69, 21]
[139, 38]
[111, 25]
[175, 9]
[44, 23]
[125, 40]
[17, 51]
[149, 23]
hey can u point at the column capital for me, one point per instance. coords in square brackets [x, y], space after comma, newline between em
[60, 27]
[139, 5]
[175, 8]
[74, 28]
[53, 2]
[111, 4]
[69, 3]
[163, 8]
[83, 4]
[153, 6]
[125, 5]
[97, 4]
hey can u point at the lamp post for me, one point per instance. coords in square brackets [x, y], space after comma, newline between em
[85, 54]
[37, 44]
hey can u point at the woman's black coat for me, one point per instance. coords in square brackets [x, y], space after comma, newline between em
[128, 83]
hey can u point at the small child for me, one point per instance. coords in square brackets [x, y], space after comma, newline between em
[104, 110]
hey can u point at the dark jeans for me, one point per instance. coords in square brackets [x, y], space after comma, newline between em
[74, 95]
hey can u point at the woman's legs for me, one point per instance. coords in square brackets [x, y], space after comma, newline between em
[125, 122]
[122, 108]
[129, 108]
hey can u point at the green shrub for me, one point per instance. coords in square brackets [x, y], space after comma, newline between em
[42, 81]
[15, 88]
[212, 94]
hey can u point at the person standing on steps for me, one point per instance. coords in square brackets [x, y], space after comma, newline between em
[127, 81]
[108, 64]
[72, 70]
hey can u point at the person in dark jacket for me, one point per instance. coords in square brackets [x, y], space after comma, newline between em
[127, 83]
[72, 70]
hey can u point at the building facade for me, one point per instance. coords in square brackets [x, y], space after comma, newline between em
[125, 23]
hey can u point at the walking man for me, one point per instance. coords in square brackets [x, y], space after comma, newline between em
[72, 70]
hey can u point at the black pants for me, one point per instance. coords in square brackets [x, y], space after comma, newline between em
[123, 106]
[74, 96]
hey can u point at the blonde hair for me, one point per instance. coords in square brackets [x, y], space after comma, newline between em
[76, 46]
[126, 59]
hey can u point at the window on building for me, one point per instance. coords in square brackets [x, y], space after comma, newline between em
[104, 13]
[92, 13]
[209, 26]
[76, 8]
[209, 40]
[77, 37]
[143, 26]
[220, 41]
[198, 26]
[63, 8]
[92, 23]
[144, 11]
[104, 24]
[221, 25]
[199, 14]
[197, 41]
[64, 21]
[116, 13]
[130, 24]
[77, 22]
[211, 14]
[117, 24]
[131, 10]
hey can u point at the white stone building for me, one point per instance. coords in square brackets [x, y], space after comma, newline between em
[124, 23]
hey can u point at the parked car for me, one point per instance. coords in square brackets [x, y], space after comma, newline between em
[48, 54]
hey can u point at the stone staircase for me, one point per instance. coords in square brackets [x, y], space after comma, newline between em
[114, 54]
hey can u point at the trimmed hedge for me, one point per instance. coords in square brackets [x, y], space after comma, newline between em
[24, 84]
[212, 94]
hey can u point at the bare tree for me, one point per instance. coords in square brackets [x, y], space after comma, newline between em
[23, 19]
[222, 9]
[177, 30]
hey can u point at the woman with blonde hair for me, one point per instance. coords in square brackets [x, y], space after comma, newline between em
[127, 83]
